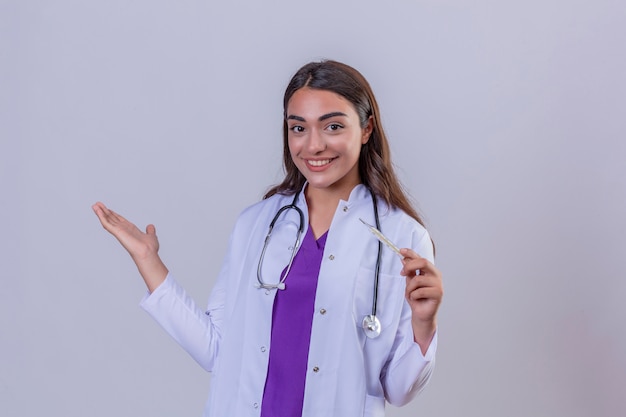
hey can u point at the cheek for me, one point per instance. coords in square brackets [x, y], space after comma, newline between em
[292, 149]
[293, 154]
[355, 146]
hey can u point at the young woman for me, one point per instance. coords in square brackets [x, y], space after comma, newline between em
[310, 315]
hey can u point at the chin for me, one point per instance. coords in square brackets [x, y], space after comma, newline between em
[319, 184]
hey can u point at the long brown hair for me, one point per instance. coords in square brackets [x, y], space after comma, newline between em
[375, 167]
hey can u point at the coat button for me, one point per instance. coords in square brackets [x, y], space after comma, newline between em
[345, 208]
[263, 349]
[331, 257]
[322, 311]
[316, 369]
[256, 405]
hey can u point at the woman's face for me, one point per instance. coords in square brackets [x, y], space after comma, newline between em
[325, 139]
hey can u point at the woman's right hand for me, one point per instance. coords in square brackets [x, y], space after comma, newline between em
[142, 247]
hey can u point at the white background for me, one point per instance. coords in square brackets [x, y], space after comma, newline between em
[507, 122]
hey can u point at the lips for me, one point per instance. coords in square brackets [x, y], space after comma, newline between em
[319, 162]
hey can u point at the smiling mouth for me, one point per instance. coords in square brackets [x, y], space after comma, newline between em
[319, 163]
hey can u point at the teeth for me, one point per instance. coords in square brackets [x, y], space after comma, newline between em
[319, 163]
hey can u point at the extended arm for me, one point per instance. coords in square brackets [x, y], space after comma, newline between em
[168, 303]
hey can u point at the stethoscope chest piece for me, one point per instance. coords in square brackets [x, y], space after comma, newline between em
[371, 326]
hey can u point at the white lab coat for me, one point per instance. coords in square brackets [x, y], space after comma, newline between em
[348, 374]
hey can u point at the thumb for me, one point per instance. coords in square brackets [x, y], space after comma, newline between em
[150, 229]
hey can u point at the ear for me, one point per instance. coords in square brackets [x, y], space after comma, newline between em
[367, 131]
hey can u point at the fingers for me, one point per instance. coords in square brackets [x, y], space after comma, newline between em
[102, 212]
[409, 253]
[413, 264]
[418, 282]
[424, 293]
[98, 208]
[423, 278]
[109, 219]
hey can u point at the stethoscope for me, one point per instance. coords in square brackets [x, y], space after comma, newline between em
[371, 325]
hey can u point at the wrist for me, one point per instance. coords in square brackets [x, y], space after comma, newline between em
[423, 333]
[152, 270]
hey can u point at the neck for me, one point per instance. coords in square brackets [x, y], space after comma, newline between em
[322, 204]
[328, 196]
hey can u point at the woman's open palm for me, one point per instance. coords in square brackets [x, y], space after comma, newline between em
[142, 247]
[138, 244]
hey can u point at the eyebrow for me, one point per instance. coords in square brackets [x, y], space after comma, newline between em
[321, 118]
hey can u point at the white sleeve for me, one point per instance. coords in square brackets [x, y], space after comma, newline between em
[408, 372]
[196, 331]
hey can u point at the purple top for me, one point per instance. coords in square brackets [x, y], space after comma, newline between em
[292, 319]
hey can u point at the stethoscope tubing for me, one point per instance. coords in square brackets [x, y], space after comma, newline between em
[281, 283]
[371, 325]
[379, 255]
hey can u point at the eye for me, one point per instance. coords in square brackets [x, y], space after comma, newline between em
[334, 127]
[297, 129]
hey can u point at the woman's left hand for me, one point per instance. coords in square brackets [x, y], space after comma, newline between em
[424, 291]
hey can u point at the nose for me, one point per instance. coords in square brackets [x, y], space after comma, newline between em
[316, 142]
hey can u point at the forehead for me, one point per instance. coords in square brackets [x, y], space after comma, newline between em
[314, 103]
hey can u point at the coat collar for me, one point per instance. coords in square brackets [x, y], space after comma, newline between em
[359, 193]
